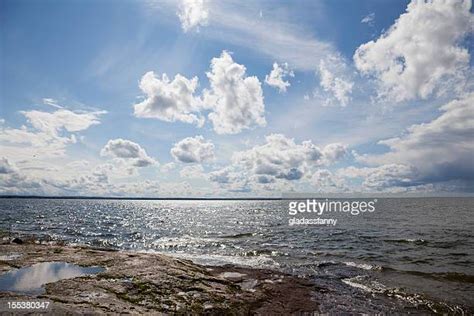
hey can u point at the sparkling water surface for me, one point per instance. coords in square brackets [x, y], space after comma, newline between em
[409, 253]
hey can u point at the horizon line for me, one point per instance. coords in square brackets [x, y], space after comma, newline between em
[365, 196]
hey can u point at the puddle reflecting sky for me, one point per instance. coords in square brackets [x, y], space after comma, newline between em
[30, 280]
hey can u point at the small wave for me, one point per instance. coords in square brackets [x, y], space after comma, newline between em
[363, 266]
[407, 241]
[365, 284]
[321, 264]
[256, 253]
[174, 243]
[361, 282]
[262, 262]
[419, 299]
[241, 235]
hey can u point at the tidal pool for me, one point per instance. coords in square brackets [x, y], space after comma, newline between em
[30, 280]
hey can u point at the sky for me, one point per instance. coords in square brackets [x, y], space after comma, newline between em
[203, 98]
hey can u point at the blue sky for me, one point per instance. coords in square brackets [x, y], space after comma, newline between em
[363, 94]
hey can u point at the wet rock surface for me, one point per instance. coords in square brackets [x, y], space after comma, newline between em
[144, 283]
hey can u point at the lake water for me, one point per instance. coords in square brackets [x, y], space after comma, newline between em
[412, 254]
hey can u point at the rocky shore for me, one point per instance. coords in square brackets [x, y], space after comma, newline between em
[144, 283]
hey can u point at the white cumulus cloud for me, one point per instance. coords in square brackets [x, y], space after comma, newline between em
[221, 176]
[421, 52]
[383, 177]
[334, 152]
[169, 101]
[276, 78]
[282, 158]
[127, 150]
[193, 150]
[235, 99]
[193, 13]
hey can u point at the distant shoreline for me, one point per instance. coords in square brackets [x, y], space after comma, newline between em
[133, 198]
[353, 196]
